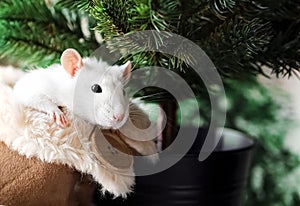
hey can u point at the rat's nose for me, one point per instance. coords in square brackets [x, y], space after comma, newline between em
[119, 117]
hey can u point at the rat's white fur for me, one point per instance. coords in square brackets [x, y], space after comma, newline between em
[32, 134]
[9, 75]
[46, 89]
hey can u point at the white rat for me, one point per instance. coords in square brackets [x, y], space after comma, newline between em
[88, 87]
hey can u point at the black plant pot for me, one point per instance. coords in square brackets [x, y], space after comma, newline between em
[220, 180]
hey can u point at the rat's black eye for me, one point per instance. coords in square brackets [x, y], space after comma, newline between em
[96, 88]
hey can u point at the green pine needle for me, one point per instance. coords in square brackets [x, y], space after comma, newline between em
[35, 35]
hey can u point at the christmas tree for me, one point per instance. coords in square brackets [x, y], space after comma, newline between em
[240, 37]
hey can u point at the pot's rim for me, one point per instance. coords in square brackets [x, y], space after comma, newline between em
[233, 141]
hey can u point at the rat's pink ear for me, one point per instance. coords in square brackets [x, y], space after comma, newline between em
[71, 61]
[126, 69]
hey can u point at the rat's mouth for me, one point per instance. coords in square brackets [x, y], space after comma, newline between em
[111, 125]
[108, 123]
[118, 125]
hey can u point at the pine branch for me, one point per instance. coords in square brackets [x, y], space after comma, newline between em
[235, 44]
[105, 23]
[238, 35]
[271, 10]
[168, 15]
[283, 53]
[233, 49]
[30, 10]
[117, 17]
[75, 4]
[39, 40]
[44, 57]
[201, 17]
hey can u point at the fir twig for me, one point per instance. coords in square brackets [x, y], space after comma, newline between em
[36, 39]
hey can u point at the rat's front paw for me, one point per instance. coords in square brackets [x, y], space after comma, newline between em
[60, 118]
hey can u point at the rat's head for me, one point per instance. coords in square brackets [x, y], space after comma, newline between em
[99, 91]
